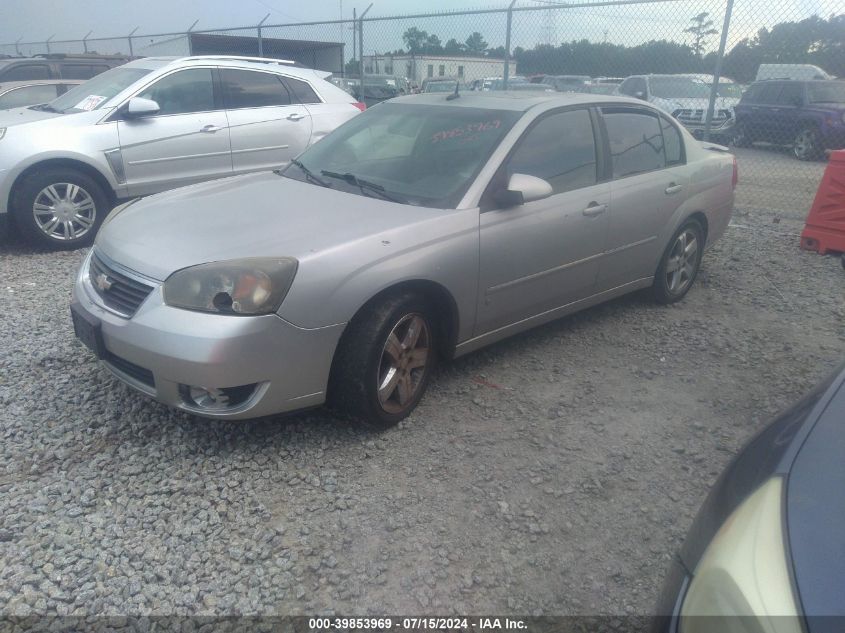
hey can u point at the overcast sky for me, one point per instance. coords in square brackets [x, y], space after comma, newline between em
[36, 20]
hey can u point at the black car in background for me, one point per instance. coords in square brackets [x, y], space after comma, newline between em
[57, 66]
[767, 549]
[809, 115]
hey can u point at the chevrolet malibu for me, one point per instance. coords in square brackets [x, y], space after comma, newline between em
[420, 230]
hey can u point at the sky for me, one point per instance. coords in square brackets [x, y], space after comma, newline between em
[37, 20]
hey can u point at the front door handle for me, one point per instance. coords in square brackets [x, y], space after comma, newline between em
[296, 116]
[594, 208]
[210, 129]
[673, 188]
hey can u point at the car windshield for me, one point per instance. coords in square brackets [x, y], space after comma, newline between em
[415, 154]
[824, 92]
[96, 92]
[440, 86]
[678, 88]
[731, 90]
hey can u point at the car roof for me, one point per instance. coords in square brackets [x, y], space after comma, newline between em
[518, 101]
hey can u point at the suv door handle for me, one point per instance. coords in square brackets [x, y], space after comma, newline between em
[594, 208]
[296, 116]
[673, 188]
[210, 129]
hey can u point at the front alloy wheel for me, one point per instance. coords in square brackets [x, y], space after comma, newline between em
[806, 145]
[404, 361]
[64, 211]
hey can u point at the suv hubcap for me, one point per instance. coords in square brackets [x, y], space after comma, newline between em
[404, 361]
[64, 211]
[803, 143]
[680, 267]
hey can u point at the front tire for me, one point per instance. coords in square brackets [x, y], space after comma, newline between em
[680, 263]
[384, 361]
[59, 208]
[807, 144]
[740, 136]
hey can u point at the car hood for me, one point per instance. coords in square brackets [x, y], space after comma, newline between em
[18, 116]
[815, 511]
[677, 103]
[245, 216]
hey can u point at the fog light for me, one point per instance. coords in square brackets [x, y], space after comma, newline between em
[216, 398]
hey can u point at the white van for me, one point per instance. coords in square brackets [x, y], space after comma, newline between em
[790, 71]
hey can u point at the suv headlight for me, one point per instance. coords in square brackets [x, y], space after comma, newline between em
[239, 287]
[742, 581]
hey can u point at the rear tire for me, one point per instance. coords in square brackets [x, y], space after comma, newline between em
[384, 361]
[59, 208]
[680, 264]
[740, 136]
[807, 144]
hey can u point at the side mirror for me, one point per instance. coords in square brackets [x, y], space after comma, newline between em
[523, 188]
[139, 107]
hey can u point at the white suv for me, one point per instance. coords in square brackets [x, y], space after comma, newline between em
[155, 124]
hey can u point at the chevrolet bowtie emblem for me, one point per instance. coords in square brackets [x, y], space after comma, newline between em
[103, 282]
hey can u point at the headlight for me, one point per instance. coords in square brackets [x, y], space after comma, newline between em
[2, 132]
[244, 286]
[742, 582]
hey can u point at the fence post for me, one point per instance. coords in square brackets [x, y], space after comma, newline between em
[260, 41]
[717, 71]
[85, 42]
[361, 44]
[508, 46]
[18, 48]
[48, 42]
[129, 37]
[190, 41]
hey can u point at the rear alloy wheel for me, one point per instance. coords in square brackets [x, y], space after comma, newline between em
[739, 137]
[384, 361]
[680, 263]
[807, 145]
[59, 208]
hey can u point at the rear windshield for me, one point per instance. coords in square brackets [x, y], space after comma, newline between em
[419, 154]
[833, 92]
[96, 93]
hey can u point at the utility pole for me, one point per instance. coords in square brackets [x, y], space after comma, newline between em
[354, 36]
[361, 42]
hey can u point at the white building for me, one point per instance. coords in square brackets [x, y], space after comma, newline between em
[418, 67]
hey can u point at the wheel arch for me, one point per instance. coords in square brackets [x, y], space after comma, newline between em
[67, 163]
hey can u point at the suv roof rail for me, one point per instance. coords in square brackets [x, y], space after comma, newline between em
[78, 56]
[242, 58]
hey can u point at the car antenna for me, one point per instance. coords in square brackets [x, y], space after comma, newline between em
[455, 94]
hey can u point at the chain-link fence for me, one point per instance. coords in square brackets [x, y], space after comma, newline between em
[753, 74]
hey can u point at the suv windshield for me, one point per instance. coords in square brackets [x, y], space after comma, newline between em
[732, 90]
[678, 88]
[823, 92]
[416, 154]
[96, 92]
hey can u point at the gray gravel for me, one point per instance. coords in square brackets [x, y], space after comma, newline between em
[554, 473]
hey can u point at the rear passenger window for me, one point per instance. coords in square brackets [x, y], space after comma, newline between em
[301, 91]
[23, 72]
[559, 149]
[672, 142]
[636, 142]
[252, 89]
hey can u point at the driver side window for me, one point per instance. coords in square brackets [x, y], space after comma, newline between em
[183, 92]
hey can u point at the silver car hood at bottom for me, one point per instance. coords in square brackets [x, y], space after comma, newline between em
[245, 216]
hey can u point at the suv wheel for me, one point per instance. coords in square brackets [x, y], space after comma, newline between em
[740, 136]
[807, 145]
[384, 361]
[60, 208]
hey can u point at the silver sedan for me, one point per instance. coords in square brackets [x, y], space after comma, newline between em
[421, 230]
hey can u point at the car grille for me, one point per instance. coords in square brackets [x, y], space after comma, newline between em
[132, 370]
[119, 292]
[689, 116]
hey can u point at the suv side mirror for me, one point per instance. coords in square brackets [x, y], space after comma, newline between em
[522, 188]
[139, 107]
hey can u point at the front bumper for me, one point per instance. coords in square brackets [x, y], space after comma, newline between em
[162, 349]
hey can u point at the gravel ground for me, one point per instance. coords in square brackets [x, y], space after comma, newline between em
[553, 473]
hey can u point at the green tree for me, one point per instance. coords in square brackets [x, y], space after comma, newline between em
[453, 47]
[415, 39]
[475, 44]
[700, 29]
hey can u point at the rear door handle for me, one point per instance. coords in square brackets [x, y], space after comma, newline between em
[210, 129]
[673, 188]
[594, 208]
[296, 116]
